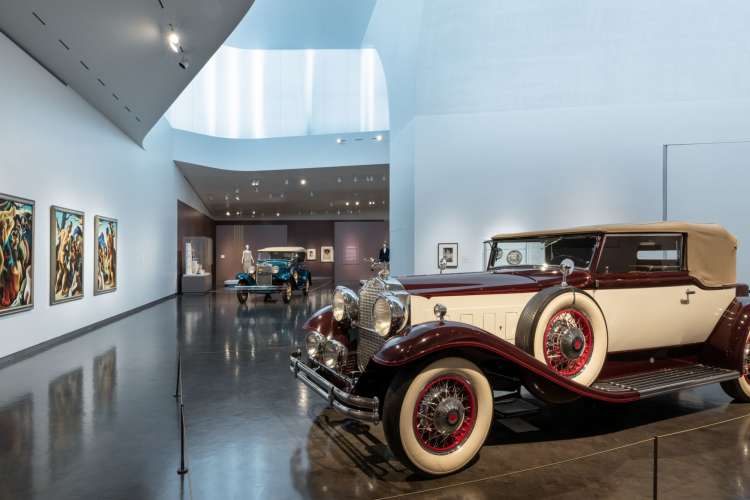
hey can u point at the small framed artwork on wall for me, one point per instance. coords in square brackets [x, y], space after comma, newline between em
[312, 254]
[16, 254]
[449, 252]
[66, 255]
[105, 258]
[326, 254]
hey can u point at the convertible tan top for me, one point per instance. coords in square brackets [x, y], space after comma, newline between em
[711, 249]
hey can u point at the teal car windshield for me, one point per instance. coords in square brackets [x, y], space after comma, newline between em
[277, 255]
[542, 252]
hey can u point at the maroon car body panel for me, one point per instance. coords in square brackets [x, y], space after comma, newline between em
[432, 337]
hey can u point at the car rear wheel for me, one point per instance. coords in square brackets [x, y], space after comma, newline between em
[436, 417]
[739, 389]
[286, 294]
[242, 296]
[564, 328]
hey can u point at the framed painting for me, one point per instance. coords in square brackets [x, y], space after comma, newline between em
[312, 254]
[105, 259]
[16, 254]
[66, 255]
[326, 254]
[449, 253]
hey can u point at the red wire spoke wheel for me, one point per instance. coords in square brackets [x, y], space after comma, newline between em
[445, 414]
[568, 342]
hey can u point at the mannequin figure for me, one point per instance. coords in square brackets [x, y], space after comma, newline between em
[385, 253]
[247, 260]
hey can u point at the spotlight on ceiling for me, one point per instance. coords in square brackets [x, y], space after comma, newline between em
[340, 140]
[347, 203]
[174, 42]
[378, 137]
[356, 203]
[278, 214]
[184, 62]
[228, 213]
[303, 182]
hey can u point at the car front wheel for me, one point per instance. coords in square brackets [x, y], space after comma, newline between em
[242, 296]
[739, 389]
[436, 418]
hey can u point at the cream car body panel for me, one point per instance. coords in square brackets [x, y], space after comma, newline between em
[497, 313]
[647, 317]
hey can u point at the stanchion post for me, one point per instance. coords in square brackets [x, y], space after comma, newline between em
[656, 467]
[178, 386]
[182, 470]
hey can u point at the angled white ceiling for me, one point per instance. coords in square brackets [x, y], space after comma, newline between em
[303, 24]
[114, 53]
[334, 193]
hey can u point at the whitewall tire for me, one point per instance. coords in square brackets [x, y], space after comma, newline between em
[565, 329]
[437, 418]
[739, 389]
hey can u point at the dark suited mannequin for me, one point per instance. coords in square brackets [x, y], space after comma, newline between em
[385, 253]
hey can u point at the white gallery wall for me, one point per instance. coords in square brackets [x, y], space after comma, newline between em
[58, 150]
[534, 114]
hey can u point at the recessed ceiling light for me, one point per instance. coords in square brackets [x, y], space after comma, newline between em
[347, 203]
[239, 212]
[339, 141]
[237, 198]
[253, 212]
[278, 214]
[356, 203]
[303, 181]
[378, 137]
[174, 42]
[228, 213]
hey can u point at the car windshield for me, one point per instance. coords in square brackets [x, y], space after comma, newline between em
[542, 252]
[277, 255]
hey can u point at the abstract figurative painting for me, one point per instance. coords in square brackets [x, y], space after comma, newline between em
[105, 260]
[16, 255]
[66, 255]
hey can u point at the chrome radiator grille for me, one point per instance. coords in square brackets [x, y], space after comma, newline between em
[264, 275]
[368, 294]
[369, 342]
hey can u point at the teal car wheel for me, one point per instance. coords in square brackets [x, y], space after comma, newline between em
[286, 295]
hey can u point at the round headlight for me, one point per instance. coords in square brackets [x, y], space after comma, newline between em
[334, 354]
[388, 313]
[314, 344]
[345, 304]
[275, 269]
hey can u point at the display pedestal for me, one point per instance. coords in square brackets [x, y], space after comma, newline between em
[196, 283]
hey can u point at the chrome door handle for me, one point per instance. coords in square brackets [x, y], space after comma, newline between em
[688, 293]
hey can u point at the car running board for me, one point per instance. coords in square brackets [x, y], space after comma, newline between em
[654, 383]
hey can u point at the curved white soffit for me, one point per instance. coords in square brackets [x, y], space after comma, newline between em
[256, 94]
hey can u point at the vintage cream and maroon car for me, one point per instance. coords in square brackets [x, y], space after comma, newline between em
[614, 313]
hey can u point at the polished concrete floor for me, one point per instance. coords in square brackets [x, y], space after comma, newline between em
[95, 418]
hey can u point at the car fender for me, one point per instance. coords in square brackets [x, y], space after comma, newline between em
[322, 322]
[445, 336]
[247, 277]
[725, 346]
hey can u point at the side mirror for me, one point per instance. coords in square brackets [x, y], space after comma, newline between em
[567, 266]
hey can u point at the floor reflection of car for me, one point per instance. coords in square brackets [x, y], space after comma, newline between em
[277, 270]
[613, 313]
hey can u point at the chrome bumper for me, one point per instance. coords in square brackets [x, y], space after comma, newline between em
[358, 407]
[259, 288]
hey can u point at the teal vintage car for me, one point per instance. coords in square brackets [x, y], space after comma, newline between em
[277, 270]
